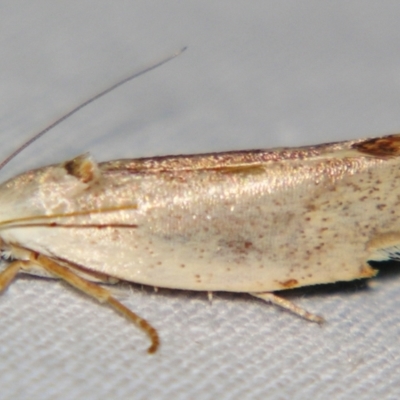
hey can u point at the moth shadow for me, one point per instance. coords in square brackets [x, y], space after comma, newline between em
[182, 294]
[387, 270]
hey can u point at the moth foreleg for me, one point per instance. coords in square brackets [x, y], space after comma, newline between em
[99, 293]
[288, 305]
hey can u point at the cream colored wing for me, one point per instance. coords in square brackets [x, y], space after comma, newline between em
[245, 222]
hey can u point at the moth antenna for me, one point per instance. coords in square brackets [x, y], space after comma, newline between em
[87, 102]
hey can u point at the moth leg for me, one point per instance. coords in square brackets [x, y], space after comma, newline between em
[10, 272]
[99, 293]
[288, 305]
[92, 276]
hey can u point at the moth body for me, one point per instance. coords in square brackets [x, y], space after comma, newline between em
[251, 221]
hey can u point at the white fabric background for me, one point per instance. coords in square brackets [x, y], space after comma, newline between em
[256, 74]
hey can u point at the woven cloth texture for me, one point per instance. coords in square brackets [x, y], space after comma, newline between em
[256, 74]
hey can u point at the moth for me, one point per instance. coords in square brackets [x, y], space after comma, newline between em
[252, 222]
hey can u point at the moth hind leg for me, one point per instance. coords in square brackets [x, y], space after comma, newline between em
[288, 305]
